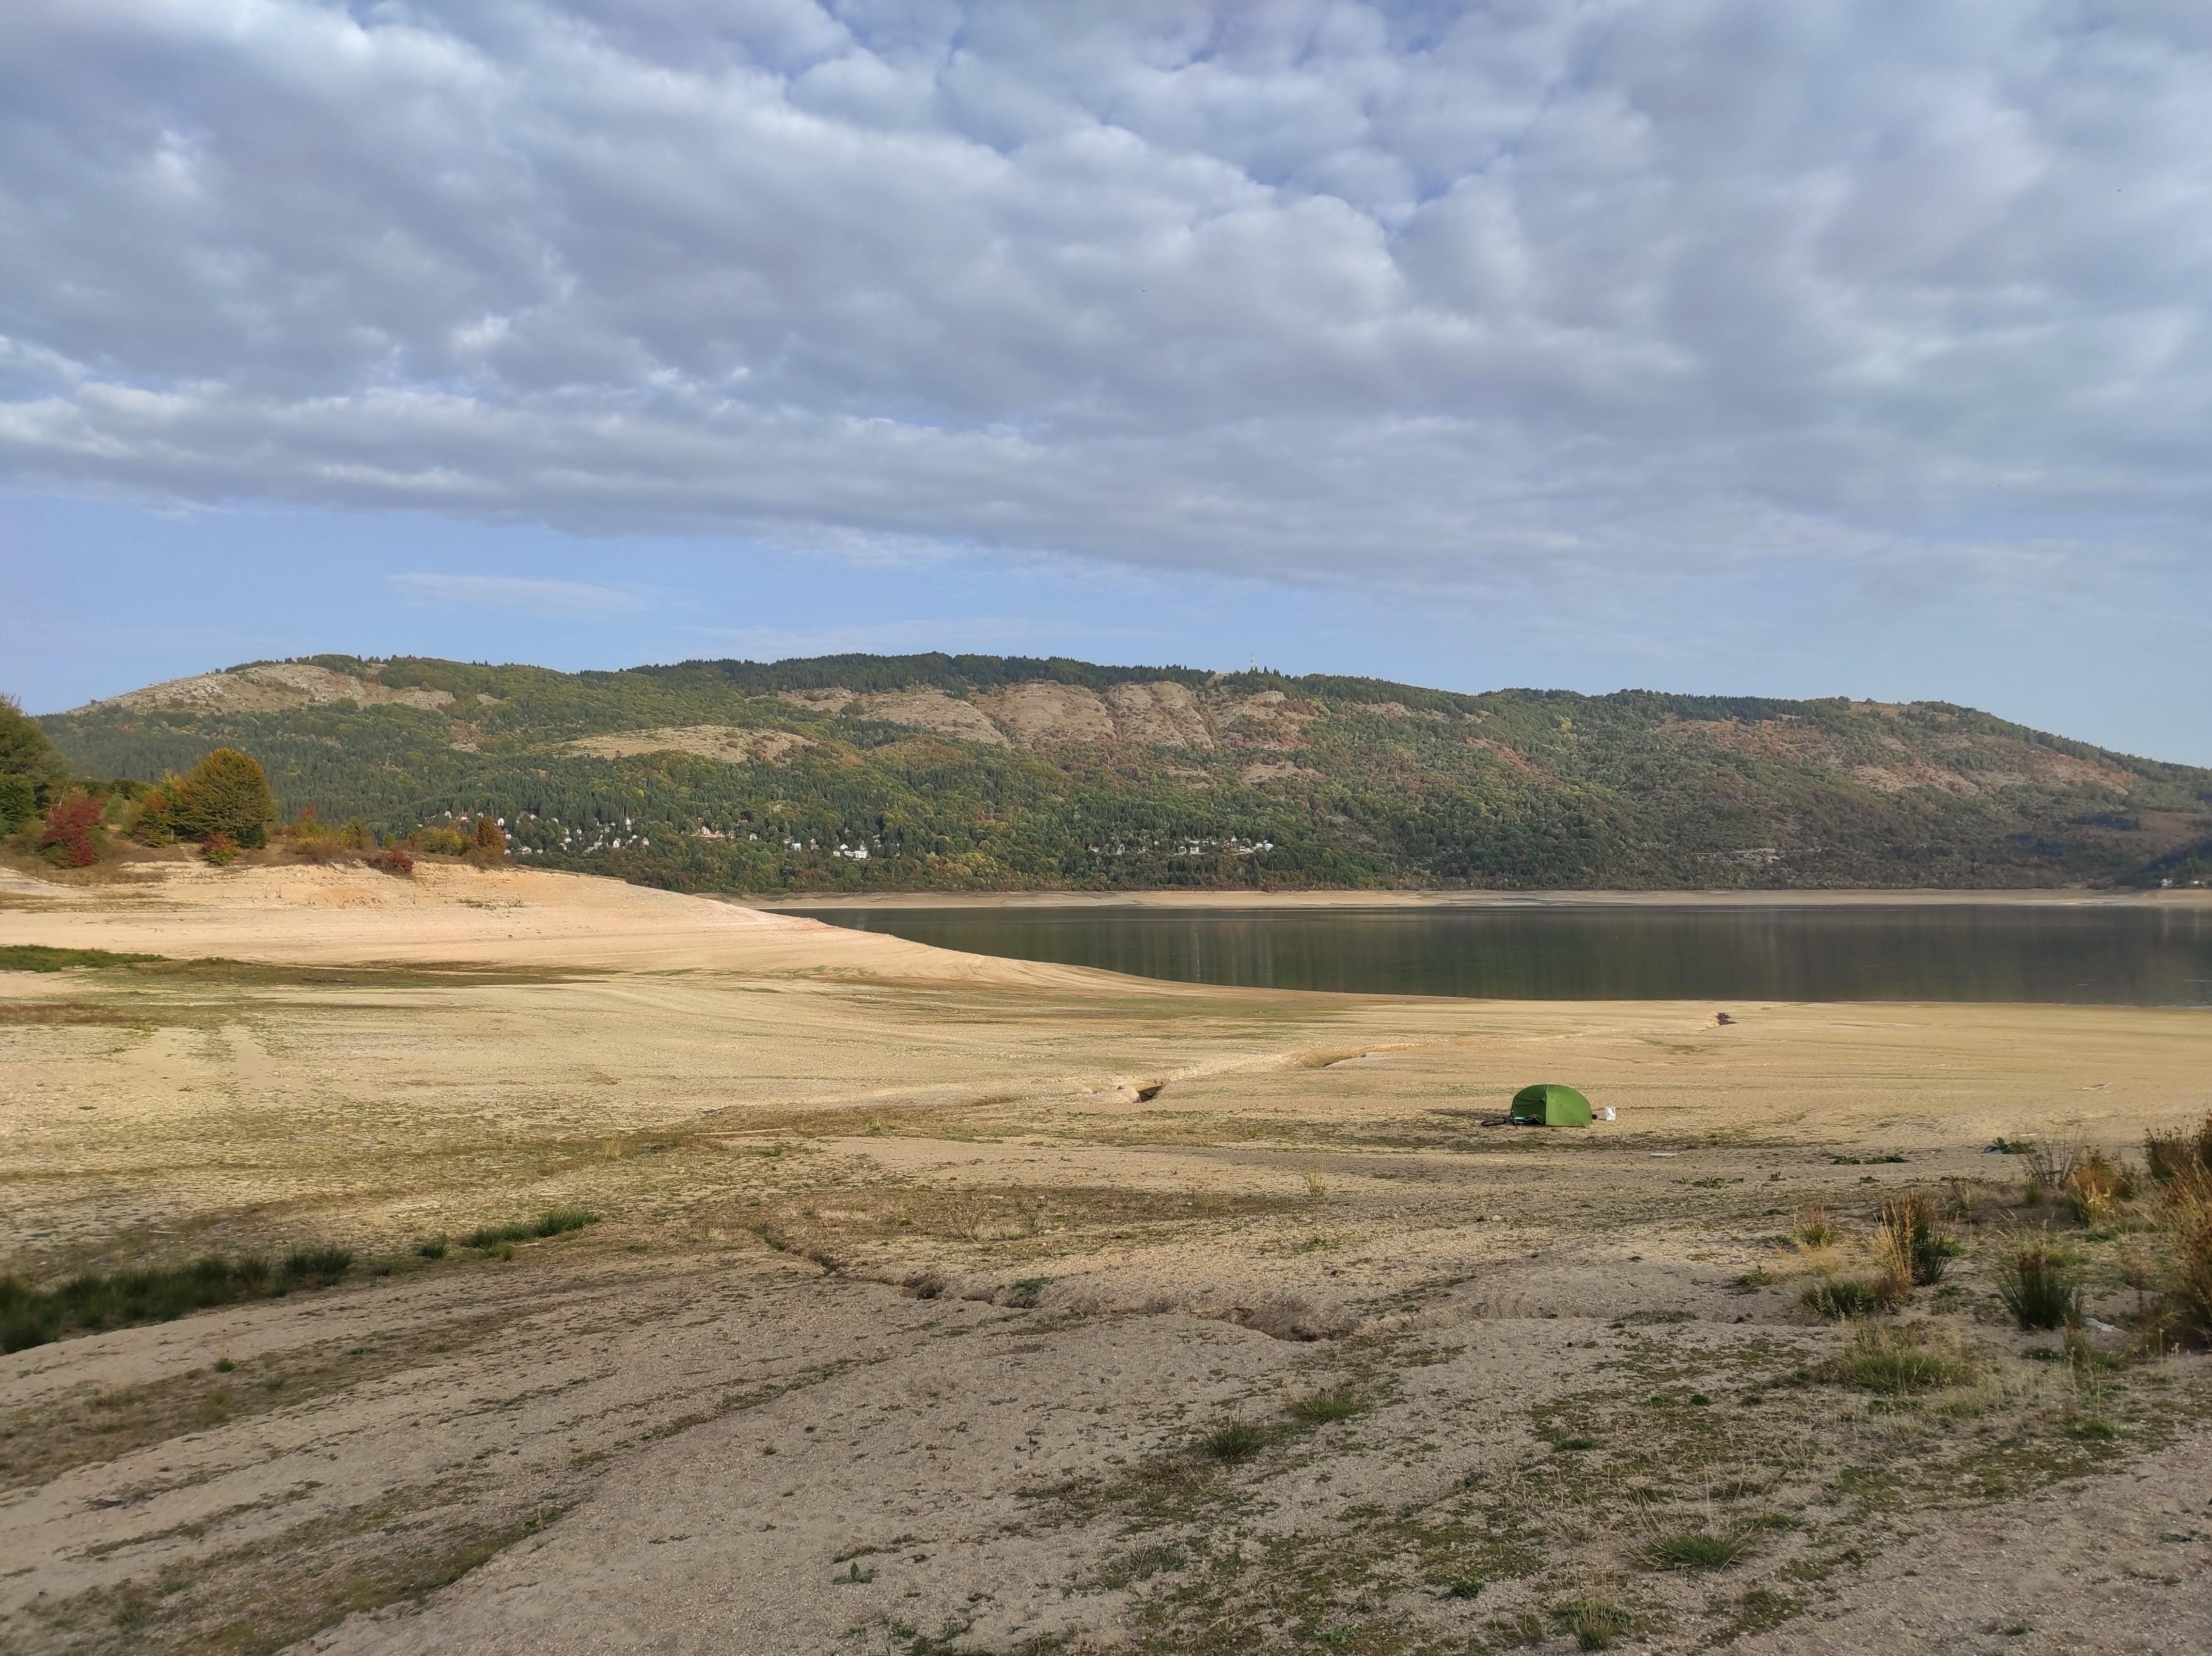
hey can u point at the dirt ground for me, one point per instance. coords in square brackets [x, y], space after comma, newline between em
[938, 1305]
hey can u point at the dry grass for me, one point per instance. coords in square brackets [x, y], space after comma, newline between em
[1909, 1248]
[1814, 1229]
[2096, 1187]
[1898, 1360]
[1841, 1299]
[2185, 1222]
[2183, 1152]
[2038, 1288]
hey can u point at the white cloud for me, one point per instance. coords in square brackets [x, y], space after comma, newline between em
[1308, 290]
[517, 595]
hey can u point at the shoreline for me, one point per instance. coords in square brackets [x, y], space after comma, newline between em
[2065, 897]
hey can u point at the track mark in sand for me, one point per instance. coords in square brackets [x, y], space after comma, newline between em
[250, 1063]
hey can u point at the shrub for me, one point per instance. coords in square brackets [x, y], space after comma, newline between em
[151, 824]
[220, 850]
[1839, 1298]
[488, 843]
[226, 792]
[393, 859]
[1911, 1249]
[71, 838]
[309, 838]
[439, 842]
[2049, 1167]
[432, 1247]
[2038, 1289]
[2181, 1154]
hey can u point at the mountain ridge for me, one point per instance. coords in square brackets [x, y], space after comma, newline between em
[966, 772]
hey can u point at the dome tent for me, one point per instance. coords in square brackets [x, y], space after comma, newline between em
[1547, 1104]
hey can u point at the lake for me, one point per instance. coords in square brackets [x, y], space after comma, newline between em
[1948, 952]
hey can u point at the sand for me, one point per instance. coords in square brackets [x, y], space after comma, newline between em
[911, 1298]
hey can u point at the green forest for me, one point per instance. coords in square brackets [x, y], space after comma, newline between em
[854, 773]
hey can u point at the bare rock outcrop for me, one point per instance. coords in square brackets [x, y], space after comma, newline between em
[1040, 714]
[1161, 714]
[728, 743]
[1043, 714]
[272, 688]
[934, 711]
[1268, 720]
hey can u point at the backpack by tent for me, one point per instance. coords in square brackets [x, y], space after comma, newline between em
[1547, 1104]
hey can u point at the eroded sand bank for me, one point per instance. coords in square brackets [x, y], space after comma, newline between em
[911, 1296]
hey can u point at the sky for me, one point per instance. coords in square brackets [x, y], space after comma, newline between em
[1712, 345]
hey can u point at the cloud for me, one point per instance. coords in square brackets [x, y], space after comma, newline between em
[552, 600]
[1422, 298]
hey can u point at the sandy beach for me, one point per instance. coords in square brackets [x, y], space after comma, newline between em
[922, 1285]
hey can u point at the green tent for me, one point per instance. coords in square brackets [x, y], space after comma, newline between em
[1547, 1104]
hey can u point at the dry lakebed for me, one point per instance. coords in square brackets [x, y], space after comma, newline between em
[670, 1275]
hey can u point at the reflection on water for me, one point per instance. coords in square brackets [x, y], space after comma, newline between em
[2111, 956]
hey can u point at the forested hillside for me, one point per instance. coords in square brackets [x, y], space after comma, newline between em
[982, 772]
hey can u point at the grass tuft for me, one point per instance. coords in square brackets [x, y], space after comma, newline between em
[2038, 1288]
[1232, 1441]
[554, 1221]
[95, 1299]
[2096, 1187]
[1814, 1228]
[1594, 1620]
[1840, 1298]
[2185, 1218]
[1896, 1362]
[323, 1265]
[1693, 1550]
[1322, 1408]
[1910, 1247]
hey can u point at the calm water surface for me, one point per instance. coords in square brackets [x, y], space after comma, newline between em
[2108, 956]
